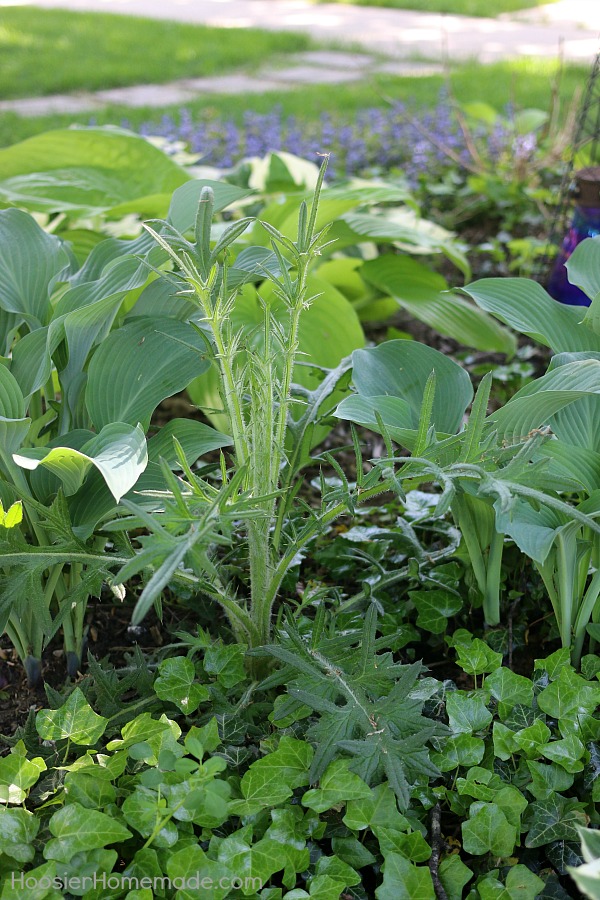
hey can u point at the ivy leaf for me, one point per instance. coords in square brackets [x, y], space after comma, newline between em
[548, 779]
[75, 721]
[402, 879]
[337, 785]
[17, 775]
[476, 657]
[260, 790]
[76, 829]
[191, 865]
[454, 876]
[18, 828]
[567, 752]
[226, 662]
[434, 608]
[467, 712]
[459, 750]
[508, 689]
[142, 810]
[176, 682]
[488, 831]
[291, 762]
[554, 819]
[378, 808]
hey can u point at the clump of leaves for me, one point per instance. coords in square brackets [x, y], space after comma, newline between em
[368, 706]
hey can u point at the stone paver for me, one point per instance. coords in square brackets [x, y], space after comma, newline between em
[568, 27]
[312, 75]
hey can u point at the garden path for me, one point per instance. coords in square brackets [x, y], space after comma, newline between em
[571, 27]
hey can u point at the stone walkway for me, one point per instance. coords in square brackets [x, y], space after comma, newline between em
[570, 28]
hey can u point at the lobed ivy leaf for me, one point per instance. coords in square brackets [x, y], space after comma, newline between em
[18, 828]
[554, 819]
[403, 879]
[467, 712]
[337, 785]
[76, 829]
[434, 608]
[75, 721]
[487, 830]
[177, 682]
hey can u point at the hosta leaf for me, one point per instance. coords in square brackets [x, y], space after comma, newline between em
[184, 203]
[139, 365]
[75, 720]
[13, 424]
[535, 404]
[526, 307]
[400, 369]
[87, 171]
[30, 259]
[423, 294]
[118, 452]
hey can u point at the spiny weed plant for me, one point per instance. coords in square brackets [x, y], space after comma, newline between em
[256, 383]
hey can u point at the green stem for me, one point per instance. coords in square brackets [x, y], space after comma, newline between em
[584, 615]
[566, 574]
[491, 598]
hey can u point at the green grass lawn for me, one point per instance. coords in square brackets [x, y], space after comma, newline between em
[526, 83]
[49, 51]
[488, 8]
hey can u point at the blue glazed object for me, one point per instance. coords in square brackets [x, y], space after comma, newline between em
[585, 224]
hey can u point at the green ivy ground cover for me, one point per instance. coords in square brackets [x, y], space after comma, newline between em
[377, 675]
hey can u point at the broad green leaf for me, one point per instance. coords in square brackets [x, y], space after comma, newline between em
[139, 365]
[508, 688]
[434, 608]
[459, 750]
[184, 203]
[291, 762]
[261, 789]
[177, 682]
[487, 830]
[526, 307]
[17, 775]
[77, 829]
[195, 438]
[583, 266]
[535, 404]
[567, 694]
[567, 752]
[142, 728]
[118, 452]
[90, 788]
[13, 424]
[402, 879]
[400, 369]
[553, 819]
[378, 808]
[454, 875]
[142, 810]
[18, 828]
[337, 785]
[192, 865]
[424, 294]
[467, 713]
[475, 657]
[250, 861]
[30, 260]
[31, 363]
[547, 779]
[75, 720]
[13, 515]
[87, 171]
[226, 662]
